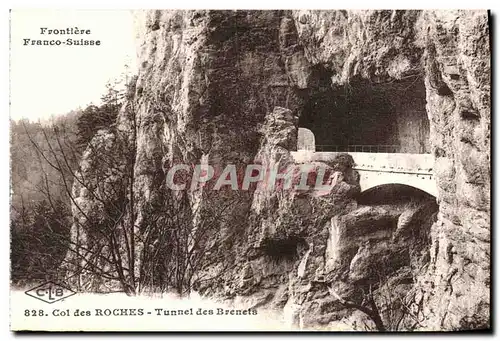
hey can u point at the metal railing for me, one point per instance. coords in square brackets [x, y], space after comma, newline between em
[360, 148]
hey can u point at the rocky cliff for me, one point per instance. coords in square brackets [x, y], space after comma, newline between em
[230, 87]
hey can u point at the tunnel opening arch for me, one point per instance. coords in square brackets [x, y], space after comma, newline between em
[364, 116]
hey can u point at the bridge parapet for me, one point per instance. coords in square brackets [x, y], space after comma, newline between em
[377, 169]
[414, 163]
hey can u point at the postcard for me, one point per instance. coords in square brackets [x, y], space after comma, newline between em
[250, 170]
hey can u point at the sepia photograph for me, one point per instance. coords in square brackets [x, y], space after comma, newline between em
[250, 170]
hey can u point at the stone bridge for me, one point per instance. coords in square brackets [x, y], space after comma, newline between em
[377, 169]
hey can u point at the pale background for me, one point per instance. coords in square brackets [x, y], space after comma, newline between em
[52, 80]
[4, 122]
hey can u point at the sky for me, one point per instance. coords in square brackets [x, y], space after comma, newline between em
[53, 80]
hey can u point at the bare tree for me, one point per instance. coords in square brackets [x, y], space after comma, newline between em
[181, 239]
[391, 307]
[108, 246]
[367, 306]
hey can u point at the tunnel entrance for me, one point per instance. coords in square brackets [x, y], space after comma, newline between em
[367, 117]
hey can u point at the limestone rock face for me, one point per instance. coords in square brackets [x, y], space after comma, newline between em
[451, 49]
[230, 87]
[375, 45]
[99, 190]
[457, 65]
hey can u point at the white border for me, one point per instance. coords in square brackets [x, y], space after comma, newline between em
[124, 4]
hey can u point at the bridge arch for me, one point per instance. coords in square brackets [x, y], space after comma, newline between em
[374, 179]
[393, 193]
